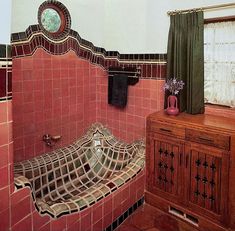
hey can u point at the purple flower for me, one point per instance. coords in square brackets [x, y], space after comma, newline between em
[173, 86]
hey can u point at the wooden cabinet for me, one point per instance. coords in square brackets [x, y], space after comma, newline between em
[166, 167]
[190, 168]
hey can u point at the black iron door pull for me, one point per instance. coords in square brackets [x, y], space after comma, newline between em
[180, 158]
[186, 162]
[165, 130]
[205, 139]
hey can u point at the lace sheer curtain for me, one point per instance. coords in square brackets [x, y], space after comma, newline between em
[219, 61]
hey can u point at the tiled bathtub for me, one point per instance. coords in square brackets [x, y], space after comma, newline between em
[93, 184]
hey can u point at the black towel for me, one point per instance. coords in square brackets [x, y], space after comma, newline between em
[117, 90]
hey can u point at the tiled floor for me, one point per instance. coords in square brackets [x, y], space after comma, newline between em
[148, 218]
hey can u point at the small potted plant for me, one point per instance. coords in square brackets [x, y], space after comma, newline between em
[173, 86]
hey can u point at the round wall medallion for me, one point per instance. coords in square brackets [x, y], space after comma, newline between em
[54, 19]
[51, 20]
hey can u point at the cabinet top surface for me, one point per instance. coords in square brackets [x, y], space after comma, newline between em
[210, 121]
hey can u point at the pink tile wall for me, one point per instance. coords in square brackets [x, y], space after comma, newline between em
[24, 217]
[6, 162]
[63, 95]
[129, 123]
[52, 94]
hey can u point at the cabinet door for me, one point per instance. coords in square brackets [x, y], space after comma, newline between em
[207, 169]
[166, 157]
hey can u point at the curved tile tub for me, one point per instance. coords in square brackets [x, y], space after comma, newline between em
[75, 177]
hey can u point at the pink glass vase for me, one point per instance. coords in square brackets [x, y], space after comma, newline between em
[172, 105]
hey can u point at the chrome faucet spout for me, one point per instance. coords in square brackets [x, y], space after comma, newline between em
[47, 139]
[50, 140]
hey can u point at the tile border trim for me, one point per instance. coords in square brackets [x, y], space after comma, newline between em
[125, 215]
[64, 15]
[26, 43]
[5, 72]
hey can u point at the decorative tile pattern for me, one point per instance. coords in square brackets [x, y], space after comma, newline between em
[63, 95]
[6, 142]
[75, 177]
[61, 19]
[125, 215]
[5, 73]
[153, 66]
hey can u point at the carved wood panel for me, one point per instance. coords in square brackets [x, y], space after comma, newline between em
[205, 179]
[190, 166]
[166, 169]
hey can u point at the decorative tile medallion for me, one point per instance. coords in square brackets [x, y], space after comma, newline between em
[54, 19]
[54, 35]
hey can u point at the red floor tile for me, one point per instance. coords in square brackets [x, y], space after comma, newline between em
[149, 218]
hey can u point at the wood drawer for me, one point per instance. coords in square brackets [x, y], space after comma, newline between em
[168, 129]
[204, 137]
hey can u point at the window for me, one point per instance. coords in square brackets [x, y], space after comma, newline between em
[219, 61]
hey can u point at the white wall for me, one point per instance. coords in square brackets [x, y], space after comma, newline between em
[125, 25]
[87, 17]
[5, 21]
[128, 26]
[145, 30]
[158, 23]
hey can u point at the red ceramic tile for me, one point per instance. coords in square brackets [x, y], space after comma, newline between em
[39, 221]
[17, 64]
[4, 133]
[108, 205]
[19, 195]
[143, 220]
[165, 222]
[46, 227]
[4, 202]
[117, 199]
[3, 111]
[98, 226]
[117, 212]
[23, 225]
[126, 205]
[27, 82]
[4, 153]
[5, 220]
[97, 213]
[9, 110]
[11, 176]
[107, 220]
[129, 228]
[17, 86]
[27, 63]
[59, 224]
[125, 193]
[82, 88]
[3, 82]
[4, 176]
[27, 75]
[20, 211]
[74, 227]
[163, 71]
[86, 222]
[73, 218]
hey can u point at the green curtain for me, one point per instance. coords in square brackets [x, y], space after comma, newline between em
[185, 59]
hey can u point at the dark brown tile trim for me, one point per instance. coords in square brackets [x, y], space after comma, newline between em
[25, 43]
[125, 215]
[5, 72]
